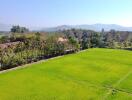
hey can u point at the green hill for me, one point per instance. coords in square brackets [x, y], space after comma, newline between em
[95, 74]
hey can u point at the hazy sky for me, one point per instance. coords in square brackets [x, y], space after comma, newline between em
[47, 13]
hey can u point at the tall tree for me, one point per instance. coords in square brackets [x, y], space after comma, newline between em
[18, 29]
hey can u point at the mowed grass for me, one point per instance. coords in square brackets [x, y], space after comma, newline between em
[94, 74]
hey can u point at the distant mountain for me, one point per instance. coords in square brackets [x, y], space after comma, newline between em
[52, 29]
[5, 27]
[95, 27]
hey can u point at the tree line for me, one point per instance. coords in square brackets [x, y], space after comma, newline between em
[22, 47]
[91, 39]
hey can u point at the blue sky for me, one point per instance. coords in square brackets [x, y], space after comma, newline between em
[48, 13]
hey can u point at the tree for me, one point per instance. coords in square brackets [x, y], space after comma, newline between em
[85, 41]
[102, 31]
[18, 29]
[95, 39]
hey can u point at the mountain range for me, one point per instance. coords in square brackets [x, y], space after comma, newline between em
[95, 27]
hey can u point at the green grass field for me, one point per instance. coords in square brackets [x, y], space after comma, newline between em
[95, 74]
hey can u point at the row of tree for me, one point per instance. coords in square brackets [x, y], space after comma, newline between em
[18, 29]
[18, 49]
[91, 39]
[31, 49]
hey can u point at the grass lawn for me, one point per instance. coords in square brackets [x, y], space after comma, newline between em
[95, 74]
